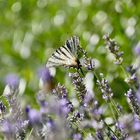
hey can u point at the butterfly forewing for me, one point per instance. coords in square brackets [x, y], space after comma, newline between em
[65, 55]
[73, 44]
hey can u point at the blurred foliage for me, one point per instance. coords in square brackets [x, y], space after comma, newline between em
[31, 30]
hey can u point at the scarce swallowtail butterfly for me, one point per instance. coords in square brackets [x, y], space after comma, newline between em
[66, 55]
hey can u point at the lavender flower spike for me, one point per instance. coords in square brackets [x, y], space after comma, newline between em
[114, 49]
[12, 80]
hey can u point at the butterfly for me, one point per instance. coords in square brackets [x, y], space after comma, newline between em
[66, 55]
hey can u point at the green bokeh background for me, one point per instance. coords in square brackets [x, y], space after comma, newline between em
[30, 30]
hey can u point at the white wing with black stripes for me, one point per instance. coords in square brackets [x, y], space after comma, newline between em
[65, 55]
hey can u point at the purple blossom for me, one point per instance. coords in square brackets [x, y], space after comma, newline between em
[105, 88]
[136, 125]
[8, 128]
[12, 80]
[113, 138]
[99, 135]
[34, 116]
[114, 49]
[138, 95]
[63, 106]
[50, 124]
[133, 101]
[79, 86]
[88, 98]
[60, 91]
[44, 74]
[120, 125]
[137, 49]
[77, 136]
[97, 111]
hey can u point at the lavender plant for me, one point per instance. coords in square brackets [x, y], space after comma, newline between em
[80, 117]
[12, 124]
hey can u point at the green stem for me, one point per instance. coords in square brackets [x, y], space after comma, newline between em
[28, 137]
[109, 127]
[110, 105]
[84, 132]
[125, 73]
[96, 76]
[1, 96]
[115, 107]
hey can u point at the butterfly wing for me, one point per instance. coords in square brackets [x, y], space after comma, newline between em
[73, 44]
[65, 55]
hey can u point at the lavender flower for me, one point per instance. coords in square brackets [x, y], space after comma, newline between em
[13, 125]
[77, 136]
[114, 49]
[34, 116]
[41, 97]
[12, 80]
[44, 74]
[64, 107]
[8, 129]
[79, 86]
[128, 126]
[47, 80]
[88, 99]
[48, 129]
[60, 91]
[136, 124]
[133, 102]
[99, 135]
[137, 49]
[105, 88]
[138, 95]
[88, 63]
[133, 79]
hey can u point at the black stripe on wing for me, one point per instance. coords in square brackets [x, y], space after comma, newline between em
[68, 45]
[73, 44]
[66, 55]
[56, 57]
[66, 48]
[75, 40]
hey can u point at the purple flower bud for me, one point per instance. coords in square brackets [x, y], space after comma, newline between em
[113, 138]
[34, 116]
[136, 125]
[138, 95]
[44, 74]
[64, 109]
[77, 136]
[99, 135]
[27, 109]
[137, 49]
[12, 80]
[8, 128]
[51, 124]
[87, 99]
[120, 126]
